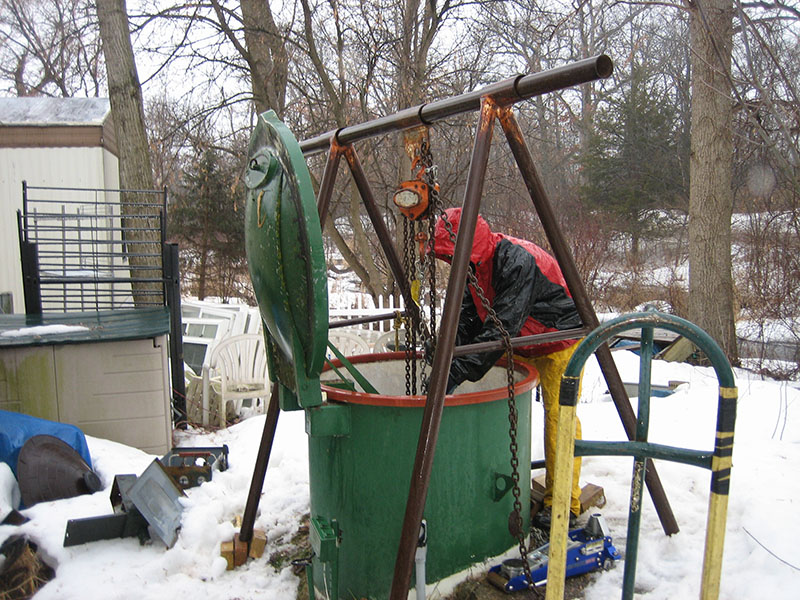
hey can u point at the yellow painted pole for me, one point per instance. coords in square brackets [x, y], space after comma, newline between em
[715, 540]
[562, 485]
[721, 464]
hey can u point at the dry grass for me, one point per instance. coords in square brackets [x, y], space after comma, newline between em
[23, 572]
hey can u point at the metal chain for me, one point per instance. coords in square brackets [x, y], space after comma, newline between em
[408, 245]
[427, 259]
[435, 207]
[515, 519]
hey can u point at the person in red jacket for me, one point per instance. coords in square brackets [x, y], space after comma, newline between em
[526, 289]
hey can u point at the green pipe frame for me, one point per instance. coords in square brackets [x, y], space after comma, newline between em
[718, 461]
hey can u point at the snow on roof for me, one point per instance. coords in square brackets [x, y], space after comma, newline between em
[53, 111]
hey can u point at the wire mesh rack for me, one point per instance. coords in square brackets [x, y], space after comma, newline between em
[92, 249]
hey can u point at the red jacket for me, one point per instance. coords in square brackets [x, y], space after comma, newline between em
[524, 286]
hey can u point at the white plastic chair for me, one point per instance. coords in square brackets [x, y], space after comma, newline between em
[240, 364]
[347, 342]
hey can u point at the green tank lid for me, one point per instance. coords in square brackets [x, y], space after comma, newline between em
[283, 238]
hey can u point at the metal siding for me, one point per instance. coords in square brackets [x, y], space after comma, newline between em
[49, 167]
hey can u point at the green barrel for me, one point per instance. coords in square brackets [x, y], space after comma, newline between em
[361, 454]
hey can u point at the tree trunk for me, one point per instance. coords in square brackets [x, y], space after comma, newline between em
[135, 172]
[266, 56]
[201, 277]
[711, 170]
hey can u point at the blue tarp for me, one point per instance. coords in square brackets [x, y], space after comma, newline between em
[16, 429]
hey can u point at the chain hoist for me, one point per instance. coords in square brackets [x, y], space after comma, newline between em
[418, 201]
[515, 518]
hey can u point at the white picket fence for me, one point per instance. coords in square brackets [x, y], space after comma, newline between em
[364, 306]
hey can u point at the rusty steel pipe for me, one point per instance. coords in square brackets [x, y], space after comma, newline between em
[434, 403]
[565, 260]
[362, 320]
[504, 92]
[260, 469]
[381, 231]
[328, 180]
[525, 340]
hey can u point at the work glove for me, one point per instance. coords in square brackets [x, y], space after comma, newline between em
[428, 350]
[451, 385]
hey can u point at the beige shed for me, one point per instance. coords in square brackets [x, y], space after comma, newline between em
[57, 142]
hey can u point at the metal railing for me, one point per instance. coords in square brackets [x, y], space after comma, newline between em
[82, 249]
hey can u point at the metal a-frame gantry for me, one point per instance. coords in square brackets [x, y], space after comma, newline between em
[495, 104]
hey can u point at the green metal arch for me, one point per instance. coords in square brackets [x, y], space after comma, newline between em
[651, 318]
[719, 462]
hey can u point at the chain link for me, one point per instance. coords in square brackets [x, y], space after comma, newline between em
[408, 245]
[515, 519]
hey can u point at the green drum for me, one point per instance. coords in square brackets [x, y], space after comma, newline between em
[361, 453]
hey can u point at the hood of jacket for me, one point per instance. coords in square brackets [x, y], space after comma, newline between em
[483, 244]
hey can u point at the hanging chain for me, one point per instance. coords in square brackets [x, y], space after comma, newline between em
[435, 208]
[427, 261]
[408, 258]
[515, 519]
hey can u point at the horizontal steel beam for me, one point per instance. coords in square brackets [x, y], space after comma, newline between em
[526, 340]
[504, 92]
[362, 320]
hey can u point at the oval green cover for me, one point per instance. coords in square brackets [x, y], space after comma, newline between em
[283, 238]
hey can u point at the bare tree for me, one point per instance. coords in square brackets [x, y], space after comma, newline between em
[355, 62]
[263, 50]
[711, 168]
[50, 47]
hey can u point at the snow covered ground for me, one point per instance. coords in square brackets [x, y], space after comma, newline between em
[763, 526]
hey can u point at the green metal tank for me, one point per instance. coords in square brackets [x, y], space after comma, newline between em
[361, 453]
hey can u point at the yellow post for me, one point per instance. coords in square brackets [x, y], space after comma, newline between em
[721, 464]
[562, 484]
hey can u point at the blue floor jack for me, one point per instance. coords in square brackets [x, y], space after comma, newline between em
[589, 549]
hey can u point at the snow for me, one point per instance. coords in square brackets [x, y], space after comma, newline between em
[32, 111]
[762, 524]
[44, 330]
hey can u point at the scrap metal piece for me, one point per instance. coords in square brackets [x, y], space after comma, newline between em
[120, 493]
[193, 466]
[156, 495]
[143, 505]
[126, 521]
[92, 529]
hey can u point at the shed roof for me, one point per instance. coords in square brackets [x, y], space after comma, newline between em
[45, 111]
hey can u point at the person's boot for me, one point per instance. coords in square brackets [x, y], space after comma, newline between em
[544, 517]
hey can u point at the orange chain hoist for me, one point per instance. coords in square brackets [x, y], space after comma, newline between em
[412, 197]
